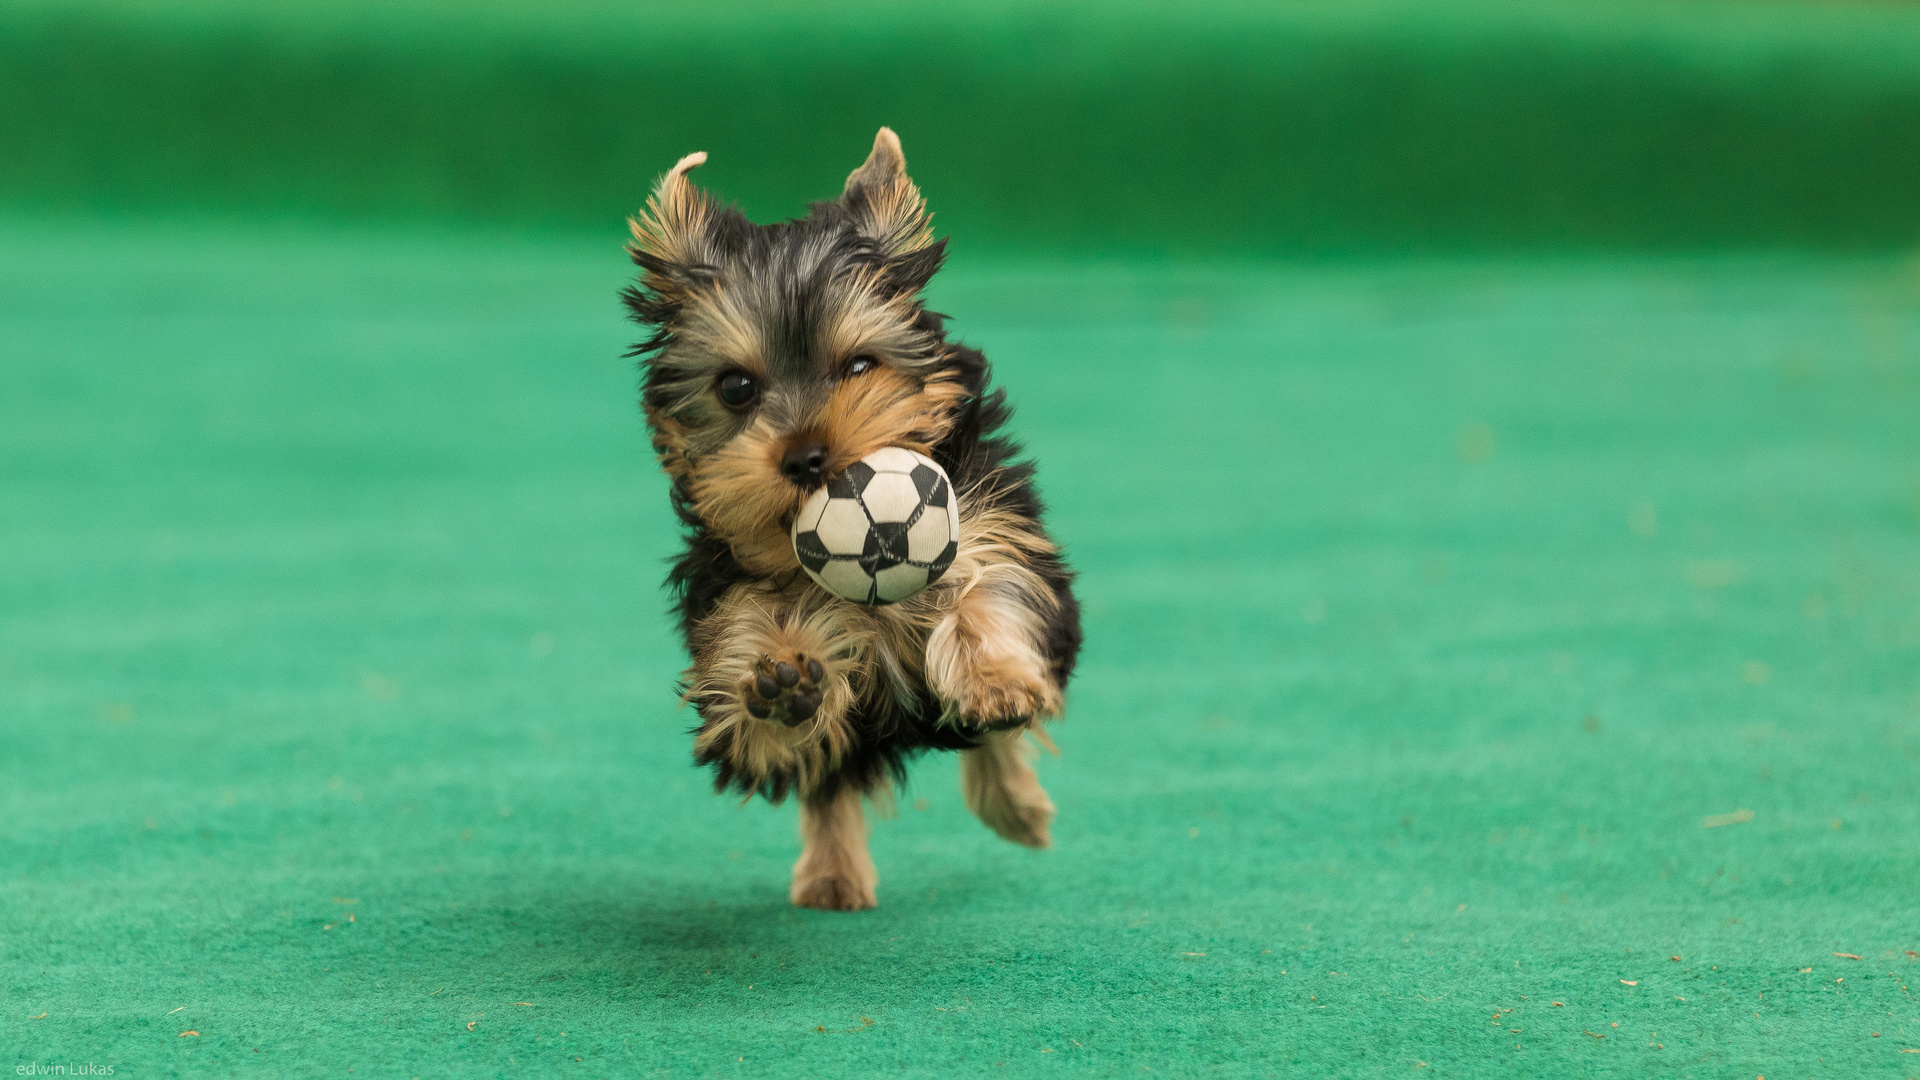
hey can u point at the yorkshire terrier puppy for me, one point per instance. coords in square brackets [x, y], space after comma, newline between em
[780, 355]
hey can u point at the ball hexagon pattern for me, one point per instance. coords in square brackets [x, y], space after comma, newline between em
[884, 529]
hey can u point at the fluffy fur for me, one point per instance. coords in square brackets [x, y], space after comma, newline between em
[800, 692]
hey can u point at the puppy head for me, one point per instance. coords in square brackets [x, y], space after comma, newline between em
[783, 353]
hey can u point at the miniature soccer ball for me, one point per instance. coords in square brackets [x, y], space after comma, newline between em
[882, 530]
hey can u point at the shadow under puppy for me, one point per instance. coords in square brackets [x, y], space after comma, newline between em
[782, 354]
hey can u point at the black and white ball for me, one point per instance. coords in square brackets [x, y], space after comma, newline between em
[884, 529]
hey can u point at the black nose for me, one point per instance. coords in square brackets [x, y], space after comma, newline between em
[805, 464]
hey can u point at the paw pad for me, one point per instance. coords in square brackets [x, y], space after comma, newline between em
[784, 690]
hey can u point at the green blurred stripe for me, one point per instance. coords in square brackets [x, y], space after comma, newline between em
[1133, 128]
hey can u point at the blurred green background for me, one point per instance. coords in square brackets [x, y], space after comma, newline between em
[1487, 433]
[1117, 126]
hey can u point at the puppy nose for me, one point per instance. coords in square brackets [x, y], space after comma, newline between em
[805, 464]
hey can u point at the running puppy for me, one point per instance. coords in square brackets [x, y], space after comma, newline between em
[781, 354]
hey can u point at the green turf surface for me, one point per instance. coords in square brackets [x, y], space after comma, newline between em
[1431, 609]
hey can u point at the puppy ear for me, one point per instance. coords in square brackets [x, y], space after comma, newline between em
[884, 204]
[672, 237]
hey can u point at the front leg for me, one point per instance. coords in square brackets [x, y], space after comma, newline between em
[774, 677]
[985, 659]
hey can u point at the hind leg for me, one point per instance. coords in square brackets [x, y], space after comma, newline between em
[835, 872]
[1003, 791]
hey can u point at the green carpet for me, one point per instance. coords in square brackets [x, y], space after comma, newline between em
[1434, 609]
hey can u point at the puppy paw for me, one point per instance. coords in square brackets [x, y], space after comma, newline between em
[1023, 821]
[784, 689]
[1003, 700]
[829, 892]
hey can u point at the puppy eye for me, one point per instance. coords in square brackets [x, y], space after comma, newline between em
[736, 389]
[860, 365]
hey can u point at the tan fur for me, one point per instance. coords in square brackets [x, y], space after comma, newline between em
[899, 219]
[674, 221]
[750, 623]
[718, 324]
[1000, 787]
[718, 330]
[669, 442]
[862, 316]
[884, 162]
[887, 408]
[740, 494]
[835, 871]
[984, 658]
